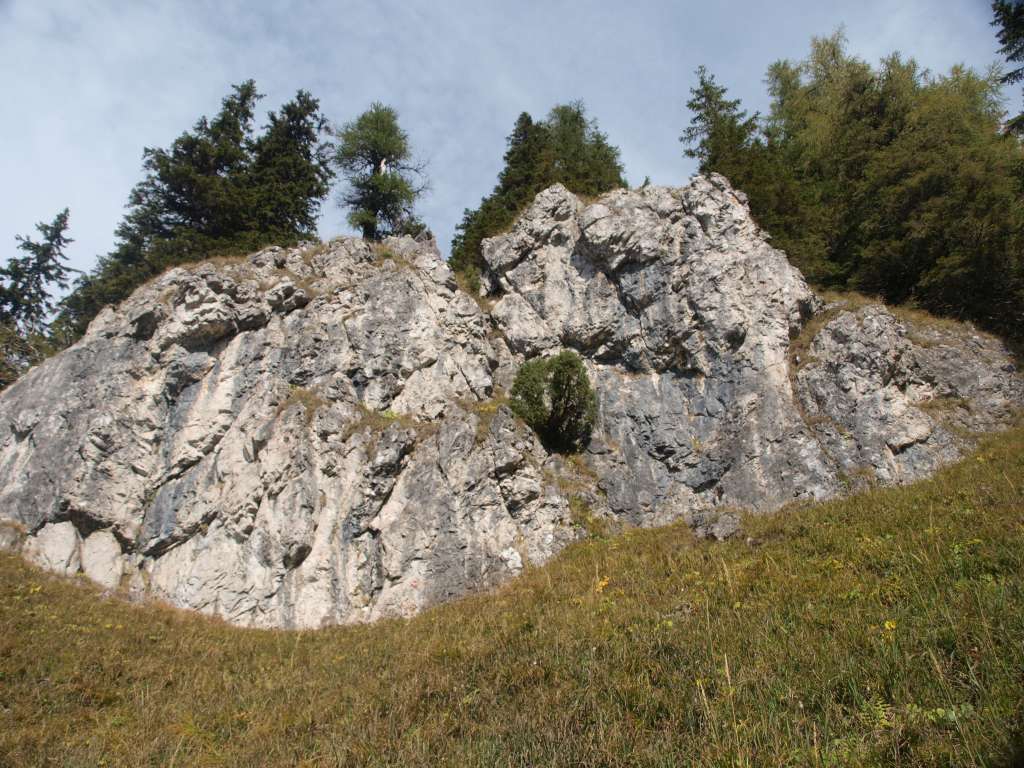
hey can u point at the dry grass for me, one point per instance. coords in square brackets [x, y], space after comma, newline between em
[383, 253]
[470, 285]
[583, 517]
[882, 630]
[317, 250]
[306, 399]
[485, 410]
[377, 421]
[943, 405]
[220, 262]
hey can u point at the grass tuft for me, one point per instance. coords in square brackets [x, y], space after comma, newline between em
[307, 399]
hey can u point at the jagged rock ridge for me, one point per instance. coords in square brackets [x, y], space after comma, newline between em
[316, 435]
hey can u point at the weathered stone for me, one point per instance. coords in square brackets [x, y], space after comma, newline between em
[892, 409]
[685, 314]
[55, 547]
[310, 435]
[279, 442]
[101, 559]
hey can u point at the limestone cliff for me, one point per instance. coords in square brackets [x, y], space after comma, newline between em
[316, 435]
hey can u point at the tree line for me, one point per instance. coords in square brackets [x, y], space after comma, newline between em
[885, 179]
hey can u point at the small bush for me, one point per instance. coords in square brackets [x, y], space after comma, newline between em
[553, 395]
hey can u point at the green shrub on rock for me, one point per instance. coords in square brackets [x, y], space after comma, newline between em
[553, 395]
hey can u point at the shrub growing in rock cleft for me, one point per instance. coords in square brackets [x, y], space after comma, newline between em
[554, 396]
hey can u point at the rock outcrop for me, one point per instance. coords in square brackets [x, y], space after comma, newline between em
[317, 435]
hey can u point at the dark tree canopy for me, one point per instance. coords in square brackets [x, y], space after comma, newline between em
[718, 128]
[883, 179]
[374, 155]
[26, 282]
[26, 301]
[218, 189]
[566, 148]
[1009, 21]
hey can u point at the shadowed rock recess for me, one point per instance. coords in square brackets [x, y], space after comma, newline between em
[317, 435]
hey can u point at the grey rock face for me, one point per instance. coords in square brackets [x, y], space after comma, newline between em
[687, 318]
[888, 402]
[315, 435]
[289, 440]
[685, 315]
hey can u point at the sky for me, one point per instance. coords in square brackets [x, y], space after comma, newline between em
[89, 84]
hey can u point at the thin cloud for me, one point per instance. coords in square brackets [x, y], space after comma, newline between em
[89, 84]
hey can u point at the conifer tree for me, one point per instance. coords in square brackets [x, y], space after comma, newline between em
[290, 173]
[553, 395]
[883, 179]
[374, 154]
[26, 282]
[26, 300]
[217, 190]
[1009, 19]
[567, 147]
[719, 132]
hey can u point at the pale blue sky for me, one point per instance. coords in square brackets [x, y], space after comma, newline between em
[88, 84]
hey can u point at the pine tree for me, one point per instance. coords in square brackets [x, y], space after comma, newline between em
[1009, 18]
[374, 154]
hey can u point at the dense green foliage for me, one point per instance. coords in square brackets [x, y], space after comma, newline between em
[218, 189]
[884, 179]
[26, 301]
[553, 395]
[1009, 20]
[885, 629]
[565, 148]
[374, 155]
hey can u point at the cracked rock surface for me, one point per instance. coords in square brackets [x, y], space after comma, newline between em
[290, 440]
[315, 435]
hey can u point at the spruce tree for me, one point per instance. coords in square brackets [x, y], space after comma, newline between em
[1009, 19]
[720, 132]
[290, 171]
[26, 301]
[219, 189]
[26, 282]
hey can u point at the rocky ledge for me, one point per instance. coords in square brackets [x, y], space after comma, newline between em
[318, 435]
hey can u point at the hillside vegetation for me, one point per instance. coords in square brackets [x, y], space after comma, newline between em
[884, 629]
[884, 178]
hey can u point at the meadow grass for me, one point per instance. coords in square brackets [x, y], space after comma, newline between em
[883, 629]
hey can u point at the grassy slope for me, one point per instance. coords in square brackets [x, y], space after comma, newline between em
[886, 629]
